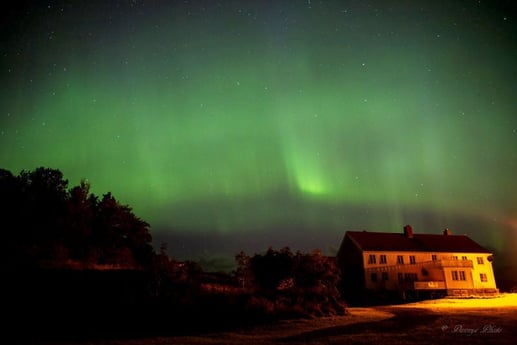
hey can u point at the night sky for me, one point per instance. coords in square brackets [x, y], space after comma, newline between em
[233, 125]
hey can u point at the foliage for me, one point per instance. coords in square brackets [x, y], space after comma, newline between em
[243, 273]
[51, 225]
[283, 283]
[271, 268]
[173, 282]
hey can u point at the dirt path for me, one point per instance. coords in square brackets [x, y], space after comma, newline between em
[419, 326]
[402, 320]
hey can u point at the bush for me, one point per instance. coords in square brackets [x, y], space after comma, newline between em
[292, 285]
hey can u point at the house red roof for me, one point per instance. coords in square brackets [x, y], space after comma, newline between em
[385, 241]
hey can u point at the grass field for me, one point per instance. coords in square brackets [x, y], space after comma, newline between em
[444, 321]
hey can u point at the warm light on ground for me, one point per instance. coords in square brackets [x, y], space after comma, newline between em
[501, 301]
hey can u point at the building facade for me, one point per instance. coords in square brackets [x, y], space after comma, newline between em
[416, 265]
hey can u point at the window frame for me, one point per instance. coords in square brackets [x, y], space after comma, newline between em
[454, 275]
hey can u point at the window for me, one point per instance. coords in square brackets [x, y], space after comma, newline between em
[401, 277]
[458, 275]
[434, 257]
[480, 260]
[483, 277]
[410, 277]
[384, 276]
[455, 257]
[382, 259]
[400, 260]
[373, 276]
[371, 259]
[463, 257]
[412, 259]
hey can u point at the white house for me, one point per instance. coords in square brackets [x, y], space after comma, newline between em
[415, 264]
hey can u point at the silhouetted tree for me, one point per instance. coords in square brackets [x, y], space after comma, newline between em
[301, 284]
[243, 273]
[50, 224]
[271, 268]
[314, 269]
[122, 237]
[39, 218]
[11, 208]
[79, 223]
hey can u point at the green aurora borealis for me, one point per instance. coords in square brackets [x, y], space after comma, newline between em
[278, 123]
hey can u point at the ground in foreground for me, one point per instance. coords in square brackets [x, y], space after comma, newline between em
[454, 321]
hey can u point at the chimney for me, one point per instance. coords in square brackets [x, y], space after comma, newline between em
[408, 231]
[447, 232]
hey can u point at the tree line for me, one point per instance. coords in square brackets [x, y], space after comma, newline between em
[46, 223]
[72, 251]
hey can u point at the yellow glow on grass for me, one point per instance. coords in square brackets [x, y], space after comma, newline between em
[504, 300]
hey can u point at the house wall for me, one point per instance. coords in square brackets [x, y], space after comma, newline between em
[350, 262]
[485, 267]
[473, 276]
[392, 268]
[465, 265]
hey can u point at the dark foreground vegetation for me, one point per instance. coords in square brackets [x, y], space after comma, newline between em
[76, 265]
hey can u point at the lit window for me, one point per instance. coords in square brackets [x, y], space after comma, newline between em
[454, 275]
[384, 275]
[462, 275]
[480, 260]
[412, 259]
[483, 277]
[400, 260]
[382, 259]
[373, 276]
[371, 259]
